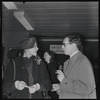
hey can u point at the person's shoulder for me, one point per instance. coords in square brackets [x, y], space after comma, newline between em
[38, 60]
[18, 59]
[42, 62]
[83, 58]
[53, 63]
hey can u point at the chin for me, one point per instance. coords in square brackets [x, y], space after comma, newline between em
[66, 53]
[35, 54]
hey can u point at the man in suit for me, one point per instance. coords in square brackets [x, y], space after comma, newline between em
[77, 78]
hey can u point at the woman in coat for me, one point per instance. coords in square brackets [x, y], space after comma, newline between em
[31, 77]
[49, 57]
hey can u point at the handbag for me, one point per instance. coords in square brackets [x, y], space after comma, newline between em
[46, 95]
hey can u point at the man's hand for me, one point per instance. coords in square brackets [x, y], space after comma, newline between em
[60, 75]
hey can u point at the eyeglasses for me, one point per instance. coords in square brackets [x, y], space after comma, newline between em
[64, 44]
[35, 46]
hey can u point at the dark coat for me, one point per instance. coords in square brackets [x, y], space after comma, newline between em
[52, 67]
[40, 75]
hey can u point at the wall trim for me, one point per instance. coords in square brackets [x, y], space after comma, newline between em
[89, 40]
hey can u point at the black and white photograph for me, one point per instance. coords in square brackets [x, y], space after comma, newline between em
[50, 49]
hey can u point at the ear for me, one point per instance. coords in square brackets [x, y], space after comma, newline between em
[74, 45]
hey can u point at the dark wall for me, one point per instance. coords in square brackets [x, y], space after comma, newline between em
[3, 51]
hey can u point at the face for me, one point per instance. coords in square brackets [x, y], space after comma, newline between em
[46, 57]
[33, 51]
[67, 47]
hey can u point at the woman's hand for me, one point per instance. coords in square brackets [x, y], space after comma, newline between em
[32, 89]
[20, 85]
[55, 87]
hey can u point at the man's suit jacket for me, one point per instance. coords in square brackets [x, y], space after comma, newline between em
[79, 79]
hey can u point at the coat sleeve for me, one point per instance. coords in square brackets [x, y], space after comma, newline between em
[45, 83]
[52, 73]
[84, 84]
[8, 84]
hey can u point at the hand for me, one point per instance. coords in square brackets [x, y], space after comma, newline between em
[32, 89]
[37, 86]
[60, 75]
[20, 85]
[55, 87]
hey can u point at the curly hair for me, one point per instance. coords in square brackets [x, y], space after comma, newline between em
[75, 38]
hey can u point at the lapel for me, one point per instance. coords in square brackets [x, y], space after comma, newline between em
[22, 63]
[69, 66]
[22, 67]
[35, 67]
[66, 65]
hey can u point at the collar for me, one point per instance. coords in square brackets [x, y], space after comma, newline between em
[74, 53]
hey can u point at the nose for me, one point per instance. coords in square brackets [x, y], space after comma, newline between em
[37, 48]
[62, 47]
[44, 58]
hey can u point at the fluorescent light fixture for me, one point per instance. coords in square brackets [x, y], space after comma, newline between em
[10, 5]
[21, 18]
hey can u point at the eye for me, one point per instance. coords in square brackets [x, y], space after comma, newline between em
[63, 44]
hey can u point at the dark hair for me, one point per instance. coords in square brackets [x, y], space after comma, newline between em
[14, 52]
[27, 43]
[52, 55]
[75, 38]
